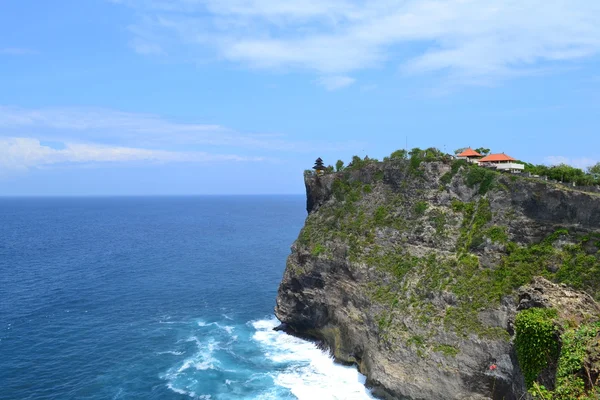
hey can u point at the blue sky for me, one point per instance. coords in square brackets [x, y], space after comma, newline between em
[133, 97]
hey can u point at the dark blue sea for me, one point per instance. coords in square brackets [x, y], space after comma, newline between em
[153, 298]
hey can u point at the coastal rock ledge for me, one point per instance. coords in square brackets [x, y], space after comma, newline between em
[415, 272]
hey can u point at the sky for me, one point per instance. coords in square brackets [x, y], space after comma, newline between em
[186, 97]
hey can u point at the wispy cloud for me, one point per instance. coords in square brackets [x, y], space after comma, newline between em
[581, 162]
[148, 130]
[103, 135]
[24, 153]
[474, 41]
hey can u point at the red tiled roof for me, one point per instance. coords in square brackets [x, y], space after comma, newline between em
[496, 158]
[469, 153]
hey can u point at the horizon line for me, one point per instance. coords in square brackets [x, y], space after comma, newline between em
[147, 195]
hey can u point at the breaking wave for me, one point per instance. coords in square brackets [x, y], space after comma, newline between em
[222, 360]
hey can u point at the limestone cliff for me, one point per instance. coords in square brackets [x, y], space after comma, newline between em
[411, 270]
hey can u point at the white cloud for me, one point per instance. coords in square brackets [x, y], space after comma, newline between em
[581, 162]
[146, 130]
[335, 82]
[17, 153]
[473, 40]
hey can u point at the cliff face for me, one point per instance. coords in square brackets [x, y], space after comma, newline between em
[411, 270]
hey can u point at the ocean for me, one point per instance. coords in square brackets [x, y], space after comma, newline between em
[154, 298]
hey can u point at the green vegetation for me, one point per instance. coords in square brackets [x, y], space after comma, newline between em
[497, 234]
[447, 350]
[541, 343]
[359, 163]
[576, 268]
[417, 156]
[482, 177]
[421, 207]
[476, 175]
[456, 165]
[440, 222]
[475, 217]
[380, 216]
[566, 173]
[399, 155]
[354, 222]
[594, 171]
[572, 376]
[536, 341]
[318, 249]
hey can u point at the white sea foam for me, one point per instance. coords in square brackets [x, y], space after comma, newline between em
[288, 366]
[309, 373]
[181, 391]
[204, 359]
[175, 353]
[226, 328]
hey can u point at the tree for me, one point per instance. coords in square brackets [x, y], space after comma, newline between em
[339, 165]
[416, 152]
[433, 154]
[483, 151]
[458, 151]
[319, 165]
[399, 154]
[594, 170]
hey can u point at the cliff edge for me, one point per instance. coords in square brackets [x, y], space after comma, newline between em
[416, 271]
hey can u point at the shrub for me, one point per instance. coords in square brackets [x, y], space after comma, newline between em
[421, 207]
[356, 163]
[379, 216]
[536, 341]
[481, 176]
[318, 249]
[446, 350]
[447, 177]
[399, 154]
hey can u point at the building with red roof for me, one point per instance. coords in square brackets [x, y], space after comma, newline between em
[497, 158]
[470, 155]
[502, 162]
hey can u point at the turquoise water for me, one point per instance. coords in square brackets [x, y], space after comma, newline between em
[153, 298]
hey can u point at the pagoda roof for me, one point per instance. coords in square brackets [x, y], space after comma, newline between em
[497, 157]
[469, 153]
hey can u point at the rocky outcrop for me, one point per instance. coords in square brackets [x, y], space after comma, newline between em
[569, 303]
[411, 271]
